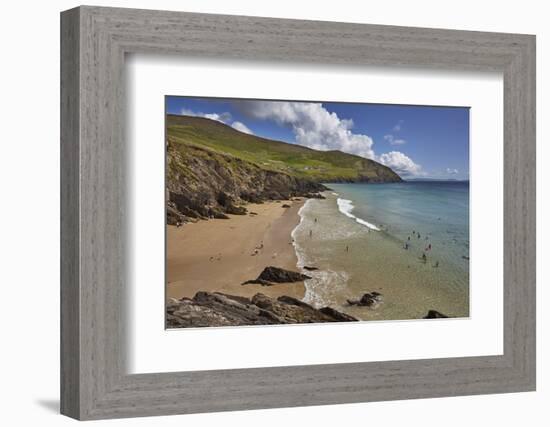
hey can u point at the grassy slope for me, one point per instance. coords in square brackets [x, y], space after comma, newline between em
[326, 166]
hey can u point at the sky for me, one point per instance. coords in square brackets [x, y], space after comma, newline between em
[415, 141]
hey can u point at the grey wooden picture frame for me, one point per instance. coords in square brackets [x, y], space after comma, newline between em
[94, 42]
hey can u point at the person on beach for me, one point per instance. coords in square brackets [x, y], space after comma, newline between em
[310, 233]
[347, 248]
[315, 219]
[419, 235]
[406, 247]
[436, 264]
[424, 258]
[409, 238]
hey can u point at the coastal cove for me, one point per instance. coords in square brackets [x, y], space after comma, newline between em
[261, 231]
[345, 256]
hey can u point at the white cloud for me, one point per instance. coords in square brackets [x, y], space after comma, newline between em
[313, 126]
[222, 118]
[452, 171]
[398, 125]
[241, 127]
[394, 141]
[401, 163]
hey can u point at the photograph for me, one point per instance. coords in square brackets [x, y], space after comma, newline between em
[290, 212]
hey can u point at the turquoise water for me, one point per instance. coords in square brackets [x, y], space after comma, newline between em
[367, 237]
[438, 211]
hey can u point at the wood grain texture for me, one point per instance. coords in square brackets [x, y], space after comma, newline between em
[70, 297]
[94, 238]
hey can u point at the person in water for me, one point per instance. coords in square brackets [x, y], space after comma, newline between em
[424, 258]
[406, 247]
[436, 264]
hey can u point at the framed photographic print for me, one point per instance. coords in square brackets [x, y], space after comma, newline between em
[262, 213]
[374, 236]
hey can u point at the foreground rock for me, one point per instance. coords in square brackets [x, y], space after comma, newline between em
[434, 314]
[272, 275]
[217, 309]
[368, 300]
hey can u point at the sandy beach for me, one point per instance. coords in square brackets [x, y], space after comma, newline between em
[218, 255]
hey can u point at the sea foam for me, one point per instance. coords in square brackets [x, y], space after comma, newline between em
[300, 254]
[346, 207]
[319, 278]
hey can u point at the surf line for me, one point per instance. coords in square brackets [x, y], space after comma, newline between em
[346, 206]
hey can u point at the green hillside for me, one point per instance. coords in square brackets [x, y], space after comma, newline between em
[291, 159]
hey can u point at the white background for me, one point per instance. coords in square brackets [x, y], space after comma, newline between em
[152, 349]
[29, 217]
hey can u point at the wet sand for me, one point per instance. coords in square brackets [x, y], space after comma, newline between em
[217, 255]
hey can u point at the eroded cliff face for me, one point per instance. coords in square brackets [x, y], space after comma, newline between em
[202, 183]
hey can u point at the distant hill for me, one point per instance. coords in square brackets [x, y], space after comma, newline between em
[297, 160]
[436, 180]
[213, 169]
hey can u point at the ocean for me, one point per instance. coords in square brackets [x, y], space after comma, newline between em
[372, 237]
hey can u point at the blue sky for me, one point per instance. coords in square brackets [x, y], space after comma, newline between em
[415, 141]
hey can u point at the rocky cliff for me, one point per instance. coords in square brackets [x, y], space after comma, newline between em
[202, 183]
[214, 170]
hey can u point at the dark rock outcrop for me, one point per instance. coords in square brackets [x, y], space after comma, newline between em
[368, 300]
[258, 282]
[315, 196]
[308, 268]
[272, 275]
[280, 275]
[218, 309]
[338, 315]
[434, 314]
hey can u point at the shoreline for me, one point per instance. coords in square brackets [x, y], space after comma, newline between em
[354, 260]
[218, 255]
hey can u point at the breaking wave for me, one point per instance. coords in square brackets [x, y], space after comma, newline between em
[345, 206]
